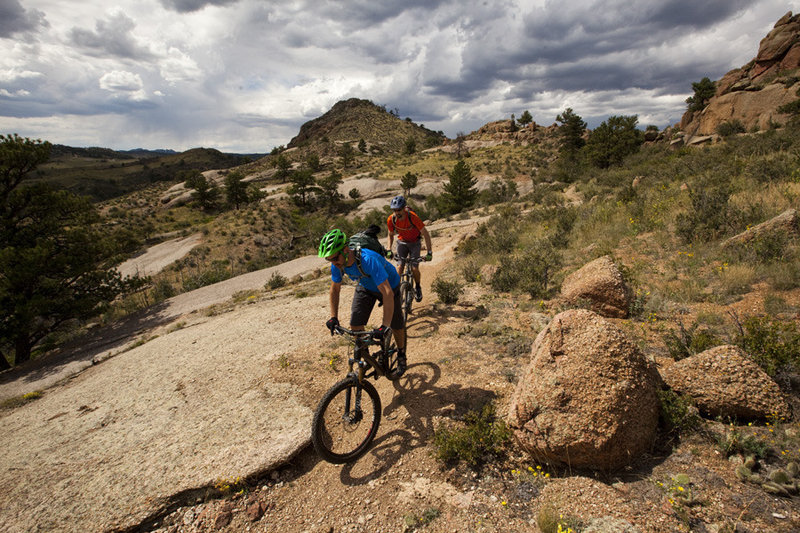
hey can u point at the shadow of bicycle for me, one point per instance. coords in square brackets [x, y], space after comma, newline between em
[428, 320]
[417, 401]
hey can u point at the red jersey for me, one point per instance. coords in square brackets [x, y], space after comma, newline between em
[407, 229]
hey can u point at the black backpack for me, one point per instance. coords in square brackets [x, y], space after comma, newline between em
[366, 239]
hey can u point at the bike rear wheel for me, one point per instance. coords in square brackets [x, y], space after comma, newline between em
[346, 421]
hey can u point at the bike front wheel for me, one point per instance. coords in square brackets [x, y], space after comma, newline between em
[407, 297]
[346, 421]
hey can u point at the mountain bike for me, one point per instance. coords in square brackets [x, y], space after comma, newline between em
[346, 419]
[407, 284]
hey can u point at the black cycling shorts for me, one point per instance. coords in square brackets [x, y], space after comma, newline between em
[409, 249]
[363, 303]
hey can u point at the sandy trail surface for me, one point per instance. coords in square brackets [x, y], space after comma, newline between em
[159, 256]
[175, 403]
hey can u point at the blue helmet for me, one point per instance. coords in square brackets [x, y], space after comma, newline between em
[398, 202]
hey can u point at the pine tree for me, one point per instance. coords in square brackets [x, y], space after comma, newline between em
[613, 140]
[408, 182]
[235, 189]
[572, 128]
[460, 192]
[703, 91]
[55, 259]
[525, 118]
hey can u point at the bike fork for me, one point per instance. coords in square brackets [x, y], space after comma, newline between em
[348, 399]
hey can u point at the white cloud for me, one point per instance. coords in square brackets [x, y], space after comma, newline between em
[15, 94]
[15, 74]
[178, 66]
[124, 84]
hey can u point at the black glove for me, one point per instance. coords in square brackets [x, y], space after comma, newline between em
[382, 333]
[389, 254]
[331, 324]
[429, 256]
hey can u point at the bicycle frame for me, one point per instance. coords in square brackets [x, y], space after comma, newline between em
[362, 358]
[407, 274]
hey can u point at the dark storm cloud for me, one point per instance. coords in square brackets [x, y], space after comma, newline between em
[611, 26]
[15, 19]
[187, 6]
[363, 13]
[602, 45]
[112, 38]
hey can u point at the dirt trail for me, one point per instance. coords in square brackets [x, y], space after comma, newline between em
[197, 399]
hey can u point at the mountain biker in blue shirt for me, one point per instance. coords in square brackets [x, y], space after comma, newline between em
[377, 280]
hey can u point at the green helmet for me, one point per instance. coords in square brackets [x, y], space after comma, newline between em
[332, 242]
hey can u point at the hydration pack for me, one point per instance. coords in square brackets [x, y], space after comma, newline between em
[366, 239]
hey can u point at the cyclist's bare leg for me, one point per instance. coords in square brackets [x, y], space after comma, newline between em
[400, 338]
[415, 273]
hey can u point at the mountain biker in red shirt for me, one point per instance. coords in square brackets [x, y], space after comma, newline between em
[408, 227]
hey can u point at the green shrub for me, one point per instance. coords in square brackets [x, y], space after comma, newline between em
[686, 342]
[162, 290]
[734, 442]
[471, 271]
[448, 291]
[677, 412]
[276, 281]
[215, 274]
[731, 127]
[483, 434]
[413, 521]
[550, 520]
[495, 235]
[774, 169]
[763, 249]
[530, 270]
[707, 217]
[773, 344]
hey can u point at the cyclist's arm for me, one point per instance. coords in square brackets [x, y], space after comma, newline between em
[427, 237]
[391, 237]
[388, 302]
[334, 298]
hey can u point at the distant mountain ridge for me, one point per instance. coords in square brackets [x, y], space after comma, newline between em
[102, 173]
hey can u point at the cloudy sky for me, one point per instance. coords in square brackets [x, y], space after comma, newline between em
[244, 75]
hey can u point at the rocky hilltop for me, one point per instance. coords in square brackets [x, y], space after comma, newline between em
[356, 119]
[753, 93]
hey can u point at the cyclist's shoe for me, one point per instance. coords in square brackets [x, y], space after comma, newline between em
[418, 296]
[401, 363]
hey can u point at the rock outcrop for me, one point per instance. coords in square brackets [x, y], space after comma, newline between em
[588, 397]
[786, 224]
[600, 284]
[753, 93]
[723, 381]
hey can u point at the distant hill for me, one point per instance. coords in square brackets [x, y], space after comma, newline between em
[102, 173]
[143, 152]
[353, 120]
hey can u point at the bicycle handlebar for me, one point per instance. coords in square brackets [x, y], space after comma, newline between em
[416, 260]
[344, 331]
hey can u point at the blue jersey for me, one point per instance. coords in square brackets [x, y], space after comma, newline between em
[376, 268]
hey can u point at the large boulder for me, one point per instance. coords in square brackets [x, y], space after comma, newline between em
[753, 93]
[588, 397]
[600, 283]
[723, 381]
